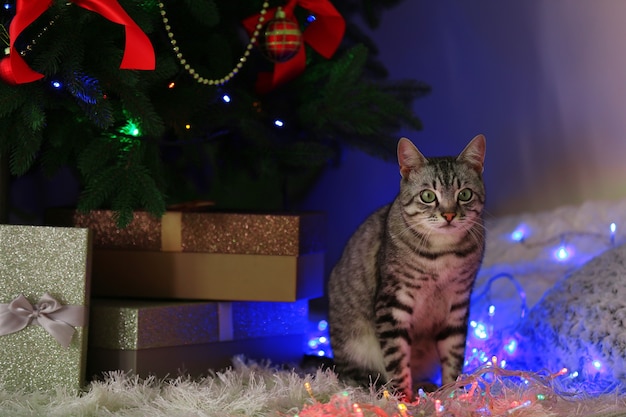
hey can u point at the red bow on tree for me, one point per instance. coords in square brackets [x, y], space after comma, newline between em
[138, 52]
[324, 35]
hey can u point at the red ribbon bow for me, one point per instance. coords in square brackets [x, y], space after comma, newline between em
[138, 52]
[324, 35]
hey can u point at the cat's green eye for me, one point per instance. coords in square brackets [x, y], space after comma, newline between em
[428, 196]
[465, 195]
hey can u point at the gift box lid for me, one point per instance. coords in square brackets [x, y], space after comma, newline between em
[211, 232]
[141, 324]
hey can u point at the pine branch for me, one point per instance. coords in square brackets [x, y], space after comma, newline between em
[12, 97]
[124, 185]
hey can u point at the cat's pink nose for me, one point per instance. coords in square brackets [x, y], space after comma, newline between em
[449, 216]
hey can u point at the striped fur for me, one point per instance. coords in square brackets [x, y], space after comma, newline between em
[399, 295]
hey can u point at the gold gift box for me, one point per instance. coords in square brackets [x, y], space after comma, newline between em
[207, 256]
[35, 261]
[170, 338]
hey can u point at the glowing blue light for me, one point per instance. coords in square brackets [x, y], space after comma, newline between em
[519, 233]
[562, 253]
[613, 227]
[226, 98]
[310, 18]
[321, 353]
[597, 364]
[279, 123]
[322, 339]
[56, 84]
[511, 346]
[492, 310]
[573, 375]
[322, 325]
[313, 343]
[480, 331]
[7, 6]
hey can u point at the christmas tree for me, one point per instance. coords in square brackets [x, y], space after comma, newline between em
[241, 103]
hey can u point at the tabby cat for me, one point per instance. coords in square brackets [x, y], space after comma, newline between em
[399, 296]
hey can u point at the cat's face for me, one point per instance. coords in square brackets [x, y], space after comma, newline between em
[444, 195]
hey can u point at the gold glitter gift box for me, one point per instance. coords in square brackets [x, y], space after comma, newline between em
[44, 291]
[172, 338]
[206, 256]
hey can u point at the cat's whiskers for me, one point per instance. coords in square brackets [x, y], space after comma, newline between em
[475, 230]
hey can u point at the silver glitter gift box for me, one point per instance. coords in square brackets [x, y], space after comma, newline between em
[170, 338]
[206, 256]
[44, 291]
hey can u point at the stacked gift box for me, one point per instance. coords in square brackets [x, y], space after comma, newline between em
[170, 338]
[185, 293]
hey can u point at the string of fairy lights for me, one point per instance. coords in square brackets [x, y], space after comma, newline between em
[489, 391]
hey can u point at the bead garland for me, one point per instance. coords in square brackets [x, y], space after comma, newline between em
[4, 36]
[29, 47]
[33, 42]
[235, 70]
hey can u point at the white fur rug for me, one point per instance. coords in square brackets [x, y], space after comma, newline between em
[258, 390]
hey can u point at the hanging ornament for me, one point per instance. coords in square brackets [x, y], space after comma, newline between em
[323, 34]
[281, 39]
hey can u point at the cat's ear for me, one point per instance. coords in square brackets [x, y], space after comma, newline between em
[474, 153]
[409, 157]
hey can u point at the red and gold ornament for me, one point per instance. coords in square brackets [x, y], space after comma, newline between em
[281, 39]
[323, 35]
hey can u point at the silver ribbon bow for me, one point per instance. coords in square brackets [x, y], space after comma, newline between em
[57, 319]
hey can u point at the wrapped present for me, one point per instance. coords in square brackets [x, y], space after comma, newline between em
[44, 290]
[207, 256]
[170, 338]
